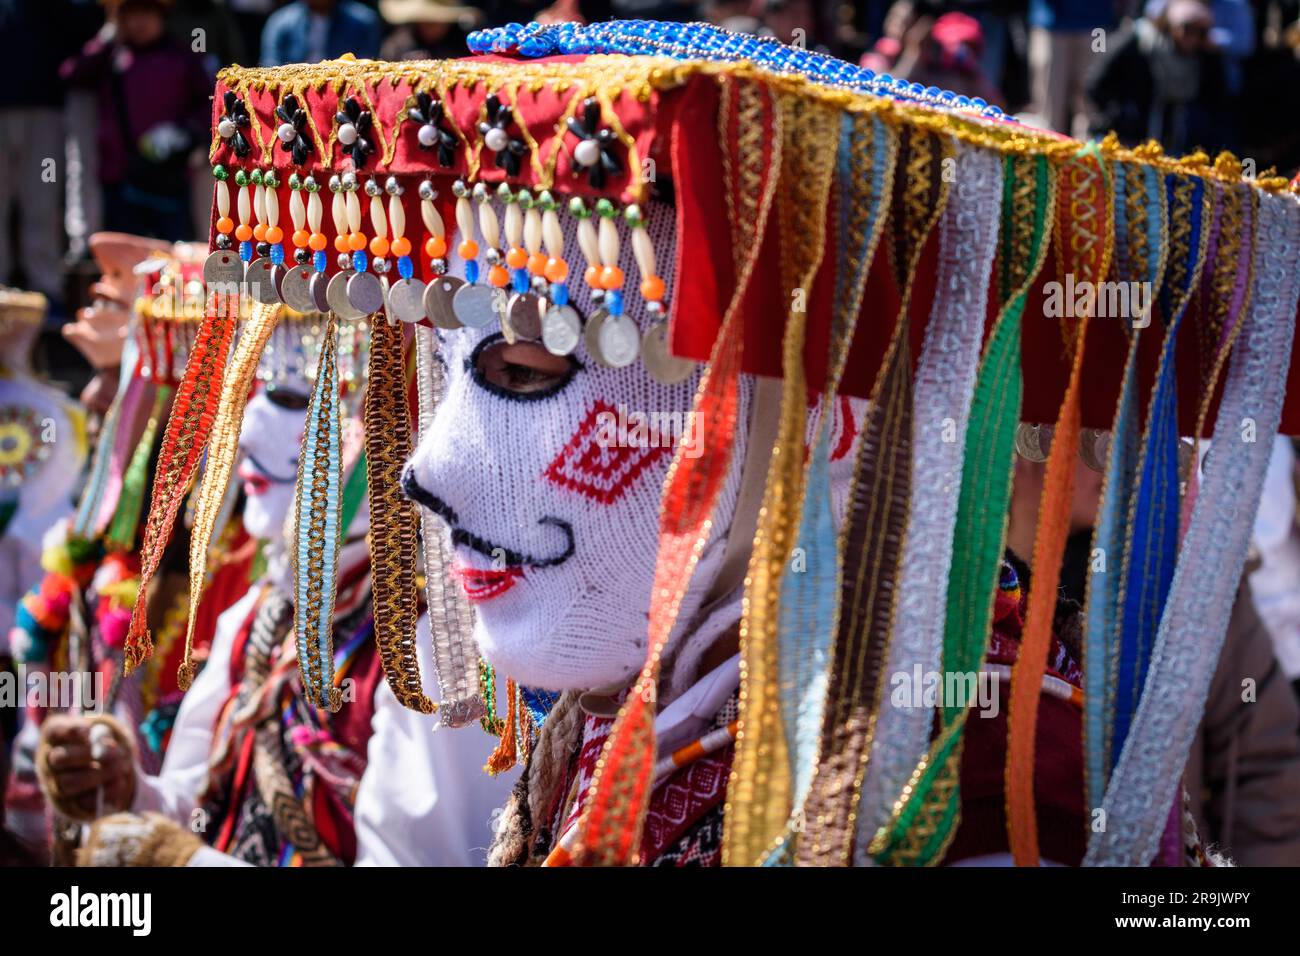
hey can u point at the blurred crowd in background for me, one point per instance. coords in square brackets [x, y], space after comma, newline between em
[105, 113]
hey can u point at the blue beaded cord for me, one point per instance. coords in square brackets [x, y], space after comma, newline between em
[704, 41]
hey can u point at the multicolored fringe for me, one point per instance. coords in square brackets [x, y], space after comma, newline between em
[1139, 200]
[760, 790]
[1144, 782]
[192, 415]
[925, 814]
[1083, 248]
[944, 383]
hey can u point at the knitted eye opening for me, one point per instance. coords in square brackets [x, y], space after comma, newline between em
[522, 372]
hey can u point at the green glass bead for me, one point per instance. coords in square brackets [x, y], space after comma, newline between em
[505, 194]
[256, 177]
[578, 209]
[241, 178]
[633, 216]
[295, 181]
[219, 172]
[525, 199]
[605, 209]
[546, 202]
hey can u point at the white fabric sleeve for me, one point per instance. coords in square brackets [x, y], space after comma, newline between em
[424, 799]
[175, 791]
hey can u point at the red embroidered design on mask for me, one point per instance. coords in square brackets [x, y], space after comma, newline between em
[608, 453]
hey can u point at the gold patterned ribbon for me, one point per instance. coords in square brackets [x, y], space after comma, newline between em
[873, 536]
[392, 515]
[759, 794]
[221, 459]
[193, 412]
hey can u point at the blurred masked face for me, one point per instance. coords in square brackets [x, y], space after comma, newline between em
[269, 442]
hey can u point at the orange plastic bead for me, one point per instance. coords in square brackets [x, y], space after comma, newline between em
[244, 232]
[537, 263]
[357, 241]
[516, 258]
[435, 247]
[611, 277]
[468, 249]
[652, 288]
[341, 242]
[401, 247]
[499, 276]
[318, 241]
[274, 235]
[379, 246]
[300, 238]
[225, 225]
[259, 232]
[592, 276]
[557, 270]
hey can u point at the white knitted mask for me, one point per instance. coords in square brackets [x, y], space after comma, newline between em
[269, 441]
[555, 536]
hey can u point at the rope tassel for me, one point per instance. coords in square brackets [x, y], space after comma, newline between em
[392, 516]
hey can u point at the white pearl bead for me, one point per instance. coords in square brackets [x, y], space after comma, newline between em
[226, 128]
[427, 135]
[587, 153]
[286, 132]
[496, 139]
[347, 134]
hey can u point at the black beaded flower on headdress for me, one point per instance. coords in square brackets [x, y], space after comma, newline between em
[428, 113]
[292, 131]
[353, 131]
[595, 152]
[232, 124]
[496, 136]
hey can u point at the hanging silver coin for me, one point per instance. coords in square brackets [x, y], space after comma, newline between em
[1033, 442]
[337, 295]
[591, 336]
[438, 297]
[295, 289]
[620, 341]
[525, 314]
[561, 329]
[475, 306]
[223, 272]
[319, 283]
[663, 366]
[406, 300]
[1093, 445]
[366, 293]
[260, 281]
